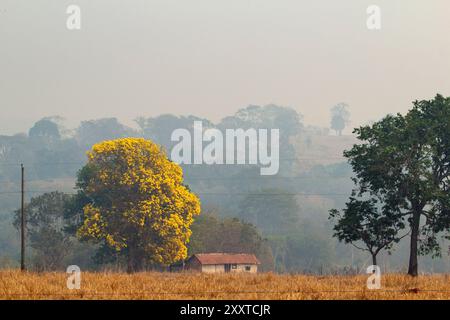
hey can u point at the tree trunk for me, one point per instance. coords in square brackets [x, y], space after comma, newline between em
[134, 260]
[413, 263]
[374, 259]
[130, 262]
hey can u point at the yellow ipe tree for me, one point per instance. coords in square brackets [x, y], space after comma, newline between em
[138, 204]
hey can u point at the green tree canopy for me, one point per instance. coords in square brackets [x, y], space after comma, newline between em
[363, 221]
[45, 230]
[405, 162]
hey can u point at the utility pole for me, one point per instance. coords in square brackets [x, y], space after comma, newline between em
[22, 218]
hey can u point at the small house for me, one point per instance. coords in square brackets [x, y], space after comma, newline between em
[222, 262]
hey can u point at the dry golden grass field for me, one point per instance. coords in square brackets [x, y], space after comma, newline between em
[17, 285]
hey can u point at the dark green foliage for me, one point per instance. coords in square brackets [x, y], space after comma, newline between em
[363, 221]
[404, 163]
[45, 230]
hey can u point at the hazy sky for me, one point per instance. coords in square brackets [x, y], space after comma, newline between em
[212, 57]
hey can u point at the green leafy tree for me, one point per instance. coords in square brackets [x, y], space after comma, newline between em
[405, 160]
[45, 230]
[362, 221]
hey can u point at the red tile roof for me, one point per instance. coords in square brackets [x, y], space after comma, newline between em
[226, 258]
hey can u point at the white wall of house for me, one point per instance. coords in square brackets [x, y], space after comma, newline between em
[243, 268]
[220, 268]
[213, 268]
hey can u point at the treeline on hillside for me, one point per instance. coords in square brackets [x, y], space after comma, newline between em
[286, 221]
[282, 218]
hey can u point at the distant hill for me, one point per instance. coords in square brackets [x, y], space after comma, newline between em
[315, 149]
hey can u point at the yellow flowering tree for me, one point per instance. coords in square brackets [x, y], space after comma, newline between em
[137, 204]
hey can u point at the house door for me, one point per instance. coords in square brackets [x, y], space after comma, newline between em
[227, 267]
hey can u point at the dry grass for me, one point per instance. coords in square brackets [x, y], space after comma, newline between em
[16, 285]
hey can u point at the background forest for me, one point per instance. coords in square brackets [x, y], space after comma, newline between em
[283, 219]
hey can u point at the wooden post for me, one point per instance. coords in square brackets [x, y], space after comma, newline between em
[22, 218]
